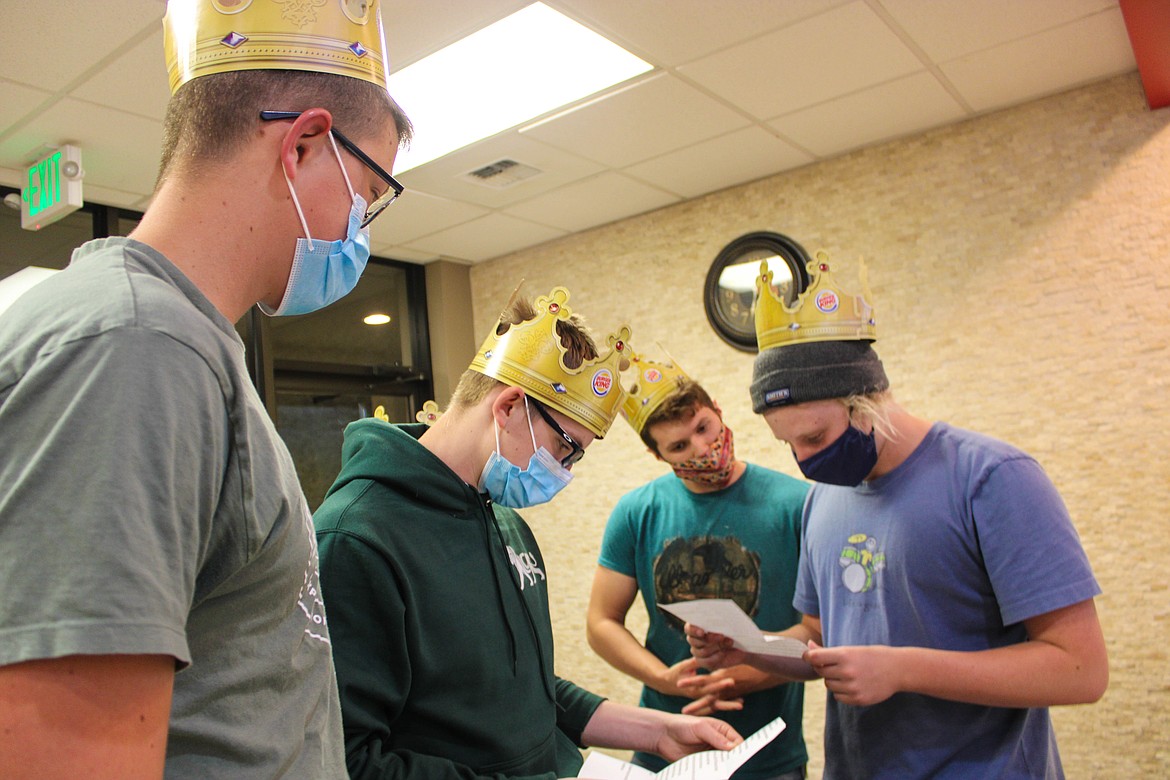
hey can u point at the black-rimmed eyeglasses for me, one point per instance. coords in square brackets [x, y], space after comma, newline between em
[578, 451]
[383, 201]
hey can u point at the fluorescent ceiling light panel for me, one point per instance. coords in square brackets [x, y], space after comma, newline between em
[521, 67]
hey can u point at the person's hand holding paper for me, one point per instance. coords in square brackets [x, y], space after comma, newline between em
[720, 619]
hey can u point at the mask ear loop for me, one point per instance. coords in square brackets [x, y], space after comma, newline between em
[532, 433]
[296, 201]
[344, 173]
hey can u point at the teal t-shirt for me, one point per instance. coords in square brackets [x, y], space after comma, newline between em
[740, 543]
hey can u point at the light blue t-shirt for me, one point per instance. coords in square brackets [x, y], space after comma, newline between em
[740, 543]
[951, 550]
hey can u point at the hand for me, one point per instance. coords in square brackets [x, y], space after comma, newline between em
[711, 650]
[712, 692]
[857, 675]
[686, 734]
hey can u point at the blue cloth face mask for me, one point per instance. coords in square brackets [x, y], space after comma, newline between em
[847, 461]
[325, 271]
[509, 485]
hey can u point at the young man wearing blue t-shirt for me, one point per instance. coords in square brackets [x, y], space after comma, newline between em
[716, 527]
[947, 600]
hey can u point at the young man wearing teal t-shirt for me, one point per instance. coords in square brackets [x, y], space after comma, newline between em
[716, 527]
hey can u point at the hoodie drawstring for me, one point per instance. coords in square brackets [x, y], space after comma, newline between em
[496, 577]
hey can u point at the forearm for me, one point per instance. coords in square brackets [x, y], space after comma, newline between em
[613, 641]
[1029, 674]
[624, 727]
[750, 679]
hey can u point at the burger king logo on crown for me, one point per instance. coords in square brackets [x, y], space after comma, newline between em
[827, 301]
[602, 382]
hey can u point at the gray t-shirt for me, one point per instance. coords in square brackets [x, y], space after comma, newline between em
[148, 506]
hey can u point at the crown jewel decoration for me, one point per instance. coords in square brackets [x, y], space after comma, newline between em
[823, 312]
[655, 382]
[530, 355]
[344, 37]
[429, 413]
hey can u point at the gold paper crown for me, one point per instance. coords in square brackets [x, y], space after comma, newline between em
[343, 37]
[530, 355]
[654, 383]
[823, 312]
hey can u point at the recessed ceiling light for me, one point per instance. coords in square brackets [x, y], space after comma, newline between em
[521, 67]
[376, 319]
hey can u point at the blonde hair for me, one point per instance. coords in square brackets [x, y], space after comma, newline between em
[473, 386]
[873, 408]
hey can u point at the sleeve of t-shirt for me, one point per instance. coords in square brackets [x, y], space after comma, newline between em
[112, 460]
[805, 600]
[617, 543]
[1030, 548]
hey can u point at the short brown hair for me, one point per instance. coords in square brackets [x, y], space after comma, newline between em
[211, 117]
[682, 404]
[473, 386]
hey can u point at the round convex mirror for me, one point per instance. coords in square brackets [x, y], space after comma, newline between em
[731, 283]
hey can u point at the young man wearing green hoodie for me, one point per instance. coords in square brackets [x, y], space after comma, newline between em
[436, 590]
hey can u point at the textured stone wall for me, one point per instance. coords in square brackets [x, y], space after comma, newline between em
[1020, 267]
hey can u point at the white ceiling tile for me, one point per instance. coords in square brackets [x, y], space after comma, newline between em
[946, 29]
[447, 174]
[12, 177]
[655, 115]
[901, 107]
[62, 40]
[416, 214]
[416, 29]
[135, 82]
[735, 158]
[594, 201]
[841, 51]
[672, 32]
[111, 197]
[118, 150]
[831, 74]
[1049, 62]
[17, 100]
[396, 252]
[485, 238]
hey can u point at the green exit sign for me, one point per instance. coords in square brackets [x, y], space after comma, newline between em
[52, 188]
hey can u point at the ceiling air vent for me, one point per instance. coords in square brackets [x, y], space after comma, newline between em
[501, 174]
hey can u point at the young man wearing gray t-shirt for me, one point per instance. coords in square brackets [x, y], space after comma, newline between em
[160, 608]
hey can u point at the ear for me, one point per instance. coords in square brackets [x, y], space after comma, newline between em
[304, 138]
[718, 409]
[509, 401]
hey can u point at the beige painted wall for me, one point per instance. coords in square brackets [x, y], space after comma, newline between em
[1020, 266]
[449, 321]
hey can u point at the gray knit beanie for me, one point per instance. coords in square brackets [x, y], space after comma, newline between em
[813, 371]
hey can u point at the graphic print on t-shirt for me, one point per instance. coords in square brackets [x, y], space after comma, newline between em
[707, 567]
[860, 560]
[309, 599]
[526, 567]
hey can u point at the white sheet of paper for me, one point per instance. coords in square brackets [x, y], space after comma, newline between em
[724, 616]
[707, 765]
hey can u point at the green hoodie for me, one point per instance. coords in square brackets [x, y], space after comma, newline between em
[438, 610]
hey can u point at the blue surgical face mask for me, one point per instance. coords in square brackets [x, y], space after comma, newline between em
[847, 461]
[325, 271]
[510, 485]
